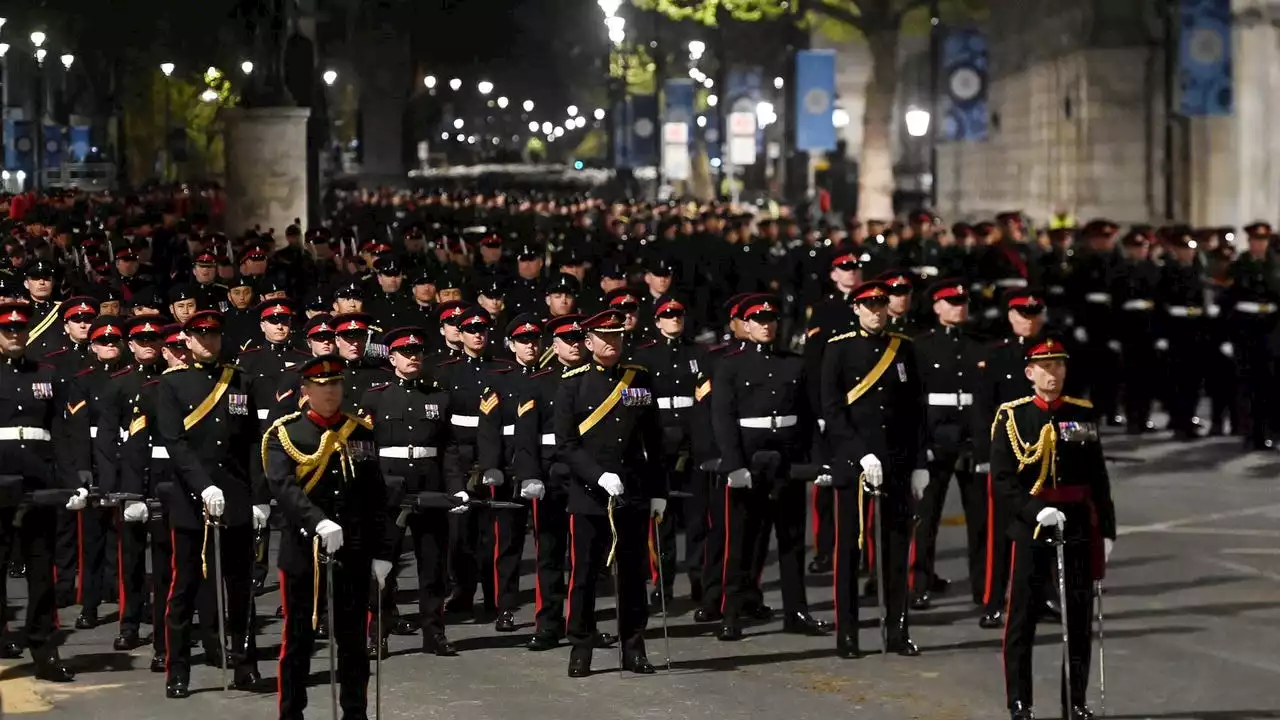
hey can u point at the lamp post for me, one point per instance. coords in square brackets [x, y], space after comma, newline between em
[166, 68]
[37, 40]
[4, 81]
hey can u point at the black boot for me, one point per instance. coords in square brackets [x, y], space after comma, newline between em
[991, 620]
[603, 640]
[505, 623]
[438, 644]
[177, 688]
[17, 570]
[1080, 712]
[127, 640]
[579, 662]
[543, 640]
[729, 632]
[87, 620]
[1021, 711]
[802, 623]
[847, 647]
[376, 646]
[922, 601]
[10, 650]
[903, 645]
[707, 615]
[50, 668]
[245, 676]
[638, 663]
[1050, 612]
[403, 626]
[820, 564]
[158, 662]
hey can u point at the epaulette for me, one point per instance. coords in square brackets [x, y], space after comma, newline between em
[277, 428]
[500, 370]
[900, 336]
[634, 366]
[450, 361]
[376, 388]
[732, 353]
[576, 371]
[246, 350]
[717, 348]
[542, 372]
[85, 371]
[1015, 403]
[1078, 401]
[125, 371]
[59, 351]
[365, 422]
[651, 343]
[151, 382]
[843, 336]
[175, 368]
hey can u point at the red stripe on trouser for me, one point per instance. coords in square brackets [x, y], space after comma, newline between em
[991, 541]
[724, 564]
[284, 644]
[168, 601]
[813, 508]
[497, 543]
[120, 570]
[911, 563]
[835, 566]
[537, 561]
[79, 558]
[573, 570]
[653, 557]
[871, 536]
[1008, 603]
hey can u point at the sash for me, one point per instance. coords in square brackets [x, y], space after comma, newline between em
[219, 389]
[609, 403]
[45, 323]
[329, 443]
[876, 372]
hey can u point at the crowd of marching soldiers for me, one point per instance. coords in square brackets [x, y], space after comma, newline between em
[600, 378]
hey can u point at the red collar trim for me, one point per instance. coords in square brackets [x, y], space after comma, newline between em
[324, 422]
[1046, 405]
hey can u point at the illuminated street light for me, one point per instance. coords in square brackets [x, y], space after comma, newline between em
[471, 140]
[573, 111]
[41, 53]
[2, 22]
[765, 115]
[166, 68]
[67, 60]
[546, 128]
[617, 29]
[38, 38]
[528, 106]
[209, 95]
[246, 67]
[708, 83]
[212, 73]
[485, 87]
[430, 82]
[457, 124]
[609, 7]
[460, 137]
[917, 122]
[503, 102]
[558, 131]
[696, 49]
[599, 114]
[4, 48]
[840, 118]
[444, 136]
[581, 121]
[778, 83]
[713, 100]
[533, 126]
[330, 77]
[455, 84]
[702, 121]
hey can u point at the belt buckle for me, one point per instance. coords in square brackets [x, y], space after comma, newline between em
[775, 422]
[409, 452]
[22, 433]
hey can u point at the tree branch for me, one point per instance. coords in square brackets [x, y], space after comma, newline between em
[908, 7]
[839, 14]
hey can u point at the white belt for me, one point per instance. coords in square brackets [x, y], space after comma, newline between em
[1254, 308]
[465, 420]
[1100, 298]
[1185, 311]
[1213, 310]
[408, 453]
[991, 312]
[159, 452]
[1011, 283]
[25, 433]
[676, 402]
[508, 429]
[93, 432]
[1057, 290]
[549, 439]
[951, 399]
[769, 422]
[926, 270]
[263, 413]
[1137, 304]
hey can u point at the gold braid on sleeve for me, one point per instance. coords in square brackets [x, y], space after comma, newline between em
[1043, 451]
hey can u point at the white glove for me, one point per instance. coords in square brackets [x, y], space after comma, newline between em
[463, 499]
[136, 512]
[1051, 517]
[872, 469]
[493, 478]
[611, 483]
[658, 508]
[982, 468]
[1162, 344]
[1227, 350]
[79, 500]
[532, 489]
[1114, 345]
[330, 534]
[1107, 546]
[823, 480]
[928, 455]
[381, 569]
[260, 515]
[1081, 334]
[919, 481]
[214, 501]
[740, 478]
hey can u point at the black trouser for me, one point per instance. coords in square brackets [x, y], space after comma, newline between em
[134, 544]
[503, 535]
[346, 628]
[66, 556]
[663, 534]
[551, 547]
[1257, 381]
[713, 548]
[891, 548]
[751, 514]
[996, 581]
[929, 516]
[822, 507]
[589, 541]
[36, 538]
[1220, 381]
[1034, 565]
[1187, 361]
[1138, 370]
[1103, 374]
[468, 565]
[697, 526]
[185, 589]
[97, 561]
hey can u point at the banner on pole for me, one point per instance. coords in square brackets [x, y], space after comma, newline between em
[1204, 58]
[815, 87]
[964, 70]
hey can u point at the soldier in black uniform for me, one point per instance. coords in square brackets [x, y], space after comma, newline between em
[1251, 307]
[183, 302]
[1182, 333]
[676, 365]
[949, 359]
[1092, 287]
[475, 457]
[562, 295]
[210, 294]
[40, 283]
[524, 291]
[31, 402]
[608, 433]
[1047, 464]
[1134, 300]
[332, 501]
[206, 420]
[350, 334]
[872, 400]
[901, 318]
[388, 304]
[746, 420]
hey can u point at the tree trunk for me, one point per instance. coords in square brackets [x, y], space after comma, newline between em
[875, 171]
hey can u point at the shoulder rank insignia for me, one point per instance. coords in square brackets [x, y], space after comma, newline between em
[73, 409]
[525, 407]
[844, 336]
[1078, 401]
[489, 401]
[576, 371]
[702, 390]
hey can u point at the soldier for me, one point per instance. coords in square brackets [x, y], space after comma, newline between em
[747, 420]
[68, 351]
[1076, 503]
[1135, 300]
[183, 302]
[608, 433]
[872, 397]
[40, 277]
[450, 344]
[1250, 308]
[206, 421]
[1182, 333]
[340, 509]
[561, 295]
[949, 360]
[901, 319]
[676, 364]
[1093, 285]
[388, 305]
[210, 294]
[525, 287]
[33, 402]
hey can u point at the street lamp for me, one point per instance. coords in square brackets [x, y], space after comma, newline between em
[209, 95]
[765, 115]
[599, 113]
[617, 29]
[167, 69]
[533, 126]
[778, 82]
[503, 102]
[573, 111]
[4, 48]
[457, 124]
[557, 131]
[444, 135]
[609, 7]
[485, 87]
[38, 38]
[708, 83]
[246, 67]
[547, 128]
[917, 122]
[840, 118]
[430, 82]
[696, 49]
[455, 84]
[67, 59]
[713, 100]
[528, 106]
[330, 77]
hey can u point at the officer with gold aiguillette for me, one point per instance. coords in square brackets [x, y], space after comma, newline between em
[1047, 466]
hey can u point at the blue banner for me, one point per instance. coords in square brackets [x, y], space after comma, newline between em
[963, 105]
[1204, 58]
[678, 104]
[815, 87]
[20, 149]
[645, 133]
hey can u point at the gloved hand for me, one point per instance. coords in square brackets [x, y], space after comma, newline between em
[740, 478]
[824, 479]
[658, 508]
[330, 534]
[86, 478]
[1227, 350]
[463, 499]
[214, 501]
[982, 468]
[928, 455]
[493, 478]
[611, 483]
[1051, 517]
[532, 489]
[1107, 546]
[1114, 345]
[261, 513]
[919, 481]
[79, 500]
[872, 470]
[1081, 334]
[381, 569]
[136, 512]
[1162, 344]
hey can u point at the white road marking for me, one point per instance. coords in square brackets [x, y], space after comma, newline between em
[1251, 551]
[1197, 519]
[1242, 568]
[1235, 532]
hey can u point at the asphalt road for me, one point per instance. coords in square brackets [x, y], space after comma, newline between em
[1193, 628]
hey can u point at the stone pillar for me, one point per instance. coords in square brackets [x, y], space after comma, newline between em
[266, 151]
